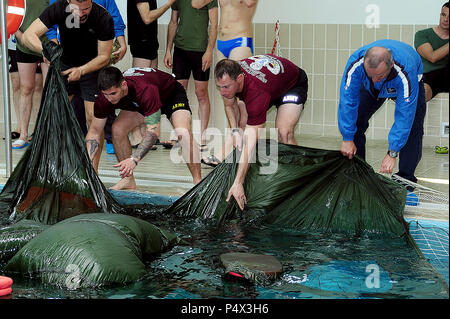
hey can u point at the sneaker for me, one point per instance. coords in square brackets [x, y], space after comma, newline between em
[109, 148]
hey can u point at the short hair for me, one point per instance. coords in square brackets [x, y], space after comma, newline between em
[373, 57]
[227, 66]
[446, 4]
[109, 77]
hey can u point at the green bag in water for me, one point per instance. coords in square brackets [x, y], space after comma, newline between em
[91, 250]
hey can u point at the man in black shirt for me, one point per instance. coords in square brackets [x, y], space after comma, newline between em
[86, 34]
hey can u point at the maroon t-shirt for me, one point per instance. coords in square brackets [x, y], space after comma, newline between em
[267, 78]
[147, 89]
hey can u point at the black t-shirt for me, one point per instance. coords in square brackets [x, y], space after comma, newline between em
[79, 41]
[138, 31]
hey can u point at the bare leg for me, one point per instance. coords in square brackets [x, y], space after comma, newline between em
[428, 92]
[287, 117]
[27, 73]
[204, 107]
[181, 121]
[125, 122]
[15, 86]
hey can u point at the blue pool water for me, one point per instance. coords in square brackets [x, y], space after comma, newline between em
[315, 265]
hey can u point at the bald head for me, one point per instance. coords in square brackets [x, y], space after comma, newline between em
[376, 55]
[378, 63]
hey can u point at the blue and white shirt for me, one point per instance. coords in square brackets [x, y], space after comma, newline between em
[401, 84]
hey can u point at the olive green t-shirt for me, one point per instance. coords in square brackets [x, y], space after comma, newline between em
[33, 10]
[428, 35]
[192, 32]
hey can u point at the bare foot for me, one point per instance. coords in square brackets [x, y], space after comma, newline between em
[125, 183]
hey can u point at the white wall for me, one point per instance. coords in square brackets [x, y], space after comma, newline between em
[335, 11]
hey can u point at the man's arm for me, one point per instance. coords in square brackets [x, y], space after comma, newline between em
[171, 32]
[248, 153]
[94, 136]
[427, 52]
[127, 166]
[147, 15]
[101, 60]
[31, 37]
[198, 4]
[213, 22]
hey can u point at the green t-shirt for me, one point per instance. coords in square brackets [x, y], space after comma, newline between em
[428, 35]
[192, 32]
[34, 8]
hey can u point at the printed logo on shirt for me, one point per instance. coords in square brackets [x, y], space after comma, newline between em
[391, 91]
[272, 64]
[290, 99]
[178, 105]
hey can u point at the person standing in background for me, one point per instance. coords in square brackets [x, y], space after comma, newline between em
[28, 62]
[143, 40]
[193, 52]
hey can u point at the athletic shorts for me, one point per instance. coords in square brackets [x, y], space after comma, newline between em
[145, 50]
[22, 57]
[185, 62]
[298, 94]
[12, 61]
[86, 87]
[176, 101]
[438, 80]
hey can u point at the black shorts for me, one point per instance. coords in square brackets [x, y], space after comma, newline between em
[438, 80]
[176, 101]
[298, 94]
[86, 87]
[185, 62]
[12, 61]
[22, 57]
[145, 50]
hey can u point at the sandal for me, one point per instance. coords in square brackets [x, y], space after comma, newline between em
[203, 148]
[154, 148]
[211, 161]
[170, 144]
[441, 149]
[19, 144]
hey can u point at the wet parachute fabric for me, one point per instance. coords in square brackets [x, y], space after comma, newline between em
[302, 188]
[54, 179]
[56, 213]
[94, 249]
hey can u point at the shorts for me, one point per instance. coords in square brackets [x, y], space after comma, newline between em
[176, 101]
[185, 62]
[22, 57]
[145, 50]
[298, 94]
[86, 87]
[438, 80]
[12, 61]
[225, 47]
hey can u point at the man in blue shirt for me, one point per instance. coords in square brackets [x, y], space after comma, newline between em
[380, 70]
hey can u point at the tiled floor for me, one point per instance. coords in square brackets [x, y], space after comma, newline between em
[157, 173]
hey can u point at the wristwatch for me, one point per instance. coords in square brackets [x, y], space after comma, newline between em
[393, 154]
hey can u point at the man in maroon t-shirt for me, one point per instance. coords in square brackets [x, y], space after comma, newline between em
[262, 81]
[139, 93]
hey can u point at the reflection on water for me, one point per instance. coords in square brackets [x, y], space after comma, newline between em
[316, 265]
